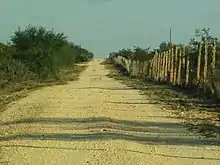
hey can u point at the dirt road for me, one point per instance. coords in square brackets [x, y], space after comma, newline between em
[97, 121]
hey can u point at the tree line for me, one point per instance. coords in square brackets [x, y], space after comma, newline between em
[38, 53]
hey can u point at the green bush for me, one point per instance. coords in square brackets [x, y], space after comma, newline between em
[38, 53]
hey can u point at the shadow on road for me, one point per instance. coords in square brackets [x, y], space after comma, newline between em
[165, 95]
[103, 88]
[159, 133]
[117, 88]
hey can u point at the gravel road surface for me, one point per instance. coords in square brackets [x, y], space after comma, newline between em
[97, 121]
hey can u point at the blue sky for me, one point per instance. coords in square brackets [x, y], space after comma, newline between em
[103, 26]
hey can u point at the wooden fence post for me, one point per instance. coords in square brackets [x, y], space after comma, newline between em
[171, 66]
[187, 69]
[179, 67]
[166, 65]
[154, 66]
[183, 59]
[151, 68]
[205, 67]
[148, 68]
[161, 68]
[198, 78]
[157, 65]
[213, 74]
[175, 66]
[133, 67]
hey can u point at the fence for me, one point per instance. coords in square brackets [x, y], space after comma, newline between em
[180, 66]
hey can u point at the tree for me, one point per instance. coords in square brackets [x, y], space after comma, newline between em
[45, 51]
[164, 46]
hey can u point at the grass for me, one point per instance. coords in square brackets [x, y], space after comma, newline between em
[15, 91]
[199, 115]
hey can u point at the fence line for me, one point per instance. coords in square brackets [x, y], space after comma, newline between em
[178, 66]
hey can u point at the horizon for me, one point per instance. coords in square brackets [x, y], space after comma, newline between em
[104, 26]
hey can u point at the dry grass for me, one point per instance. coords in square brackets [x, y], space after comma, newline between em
[16, 91]
[198, 114]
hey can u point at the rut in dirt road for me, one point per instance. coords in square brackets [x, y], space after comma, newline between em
[97, 121]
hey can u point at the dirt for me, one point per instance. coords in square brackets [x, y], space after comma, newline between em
[97, 121]
[200, 114]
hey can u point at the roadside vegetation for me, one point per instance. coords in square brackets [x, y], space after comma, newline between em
[200, 111]
[35, 57]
